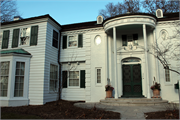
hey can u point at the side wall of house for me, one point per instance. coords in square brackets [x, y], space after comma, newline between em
[51, 58]
[168, 92]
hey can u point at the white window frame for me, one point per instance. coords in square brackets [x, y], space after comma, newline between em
[8, 78]
[27, 34]
[54, 80]
[170, 80]
[76, 36]
[98, 84]
[20, 76]
[69, 77]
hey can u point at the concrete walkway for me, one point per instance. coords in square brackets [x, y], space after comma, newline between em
[127, 112]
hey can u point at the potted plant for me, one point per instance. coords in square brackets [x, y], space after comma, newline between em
[156, 90]
[109, 89]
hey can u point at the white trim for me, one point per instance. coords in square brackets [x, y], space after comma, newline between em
[98, 84]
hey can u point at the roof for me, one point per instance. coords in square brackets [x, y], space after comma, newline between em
[17, 51]
[169, 16]
[130, 14]
[84, 25]
[32, 18]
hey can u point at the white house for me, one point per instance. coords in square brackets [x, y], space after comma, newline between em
[37, 53]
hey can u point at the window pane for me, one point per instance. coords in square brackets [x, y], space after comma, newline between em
[52, 85]
[18, 65]
[21, 93]
[16, 93]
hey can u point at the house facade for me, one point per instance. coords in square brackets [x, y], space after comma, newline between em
[37, 53]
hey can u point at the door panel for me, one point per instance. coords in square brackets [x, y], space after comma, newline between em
[132, 85]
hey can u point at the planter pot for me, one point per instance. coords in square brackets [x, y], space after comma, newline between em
[109, 94]
[156, 93]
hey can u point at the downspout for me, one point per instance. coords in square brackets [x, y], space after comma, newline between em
[59, 90]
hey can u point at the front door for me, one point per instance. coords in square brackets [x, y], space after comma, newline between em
[132, 82]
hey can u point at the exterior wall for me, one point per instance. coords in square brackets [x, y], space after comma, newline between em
[168, 92]
[51, 57]
[37, 62]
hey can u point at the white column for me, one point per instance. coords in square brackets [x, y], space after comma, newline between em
[106, 58]
[115, 62]
[155, 59]
[146, 59]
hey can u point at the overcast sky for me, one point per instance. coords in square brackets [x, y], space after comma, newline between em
[63, 11]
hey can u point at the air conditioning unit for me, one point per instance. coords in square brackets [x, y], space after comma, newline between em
[99, 19]
[159, 13]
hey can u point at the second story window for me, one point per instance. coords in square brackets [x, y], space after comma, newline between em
[24, 36]
[72, 41]
[55, 39]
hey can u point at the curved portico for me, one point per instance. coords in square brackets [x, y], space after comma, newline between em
[127, 36]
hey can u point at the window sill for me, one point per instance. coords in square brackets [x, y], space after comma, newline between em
[98, 85]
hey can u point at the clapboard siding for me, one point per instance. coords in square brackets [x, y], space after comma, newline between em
[51, 57]
[37, 61]
[78, 54]
[73, 94]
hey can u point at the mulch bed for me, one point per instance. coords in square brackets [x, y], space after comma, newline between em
[61, 110]
[168, 114]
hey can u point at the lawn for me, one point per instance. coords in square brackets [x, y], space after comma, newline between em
[56, 110]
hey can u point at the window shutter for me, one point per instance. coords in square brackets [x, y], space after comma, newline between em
[64, 42]
[5, 39]
[124, 40]
[64, 79]
[82, 79]
[34, 35]
[15, 39]
[80, 40]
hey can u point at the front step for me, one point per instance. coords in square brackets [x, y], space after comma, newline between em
[134, 101]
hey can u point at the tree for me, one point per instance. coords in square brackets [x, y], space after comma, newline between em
[8, 10]
[167, 50]
[168, 6]
[132, 6]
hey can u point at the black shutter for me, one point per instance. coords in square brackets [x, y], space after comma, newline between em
[5, 40]
[15, 39]
[64, 79]
[135, 36]
[34, 35]
[124, 40]
[64, 42]
[82, 79]
[80, 40]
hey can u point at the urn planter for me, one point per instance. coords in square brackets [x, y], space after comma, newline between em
[109, 94]
[156, 93]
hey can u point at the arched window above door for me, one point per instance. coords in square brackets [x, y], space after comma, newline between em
[127, 60]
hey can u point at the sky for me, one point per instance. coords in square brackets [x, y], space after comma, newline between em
[63, 11]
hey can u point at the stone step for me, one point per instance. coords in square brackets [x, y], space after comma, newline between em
[134, 102]
[133, 99]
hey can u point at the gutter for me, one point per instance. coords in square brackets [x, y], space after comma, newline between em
[59, 90]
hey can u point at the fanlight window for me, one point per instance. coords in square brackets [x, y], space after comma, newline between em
[131, 60]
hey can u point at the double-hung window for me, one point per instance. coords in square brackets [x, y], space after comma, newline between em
[4, 78]
[73, 78]
[167, 74]
[24, 36]
[55, 39]
[72, 40]
[19, 79]
[53, 78]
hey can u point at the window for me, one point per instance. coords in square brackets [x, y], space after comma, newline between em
[124, 40]
[55, 39]
[4, 78]
[5, 39]
[73, 78]
[19, 79]
[53, 77]
[24, 36]
[167, 74]
[127, 40]
[98, 75]
[72, 40]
